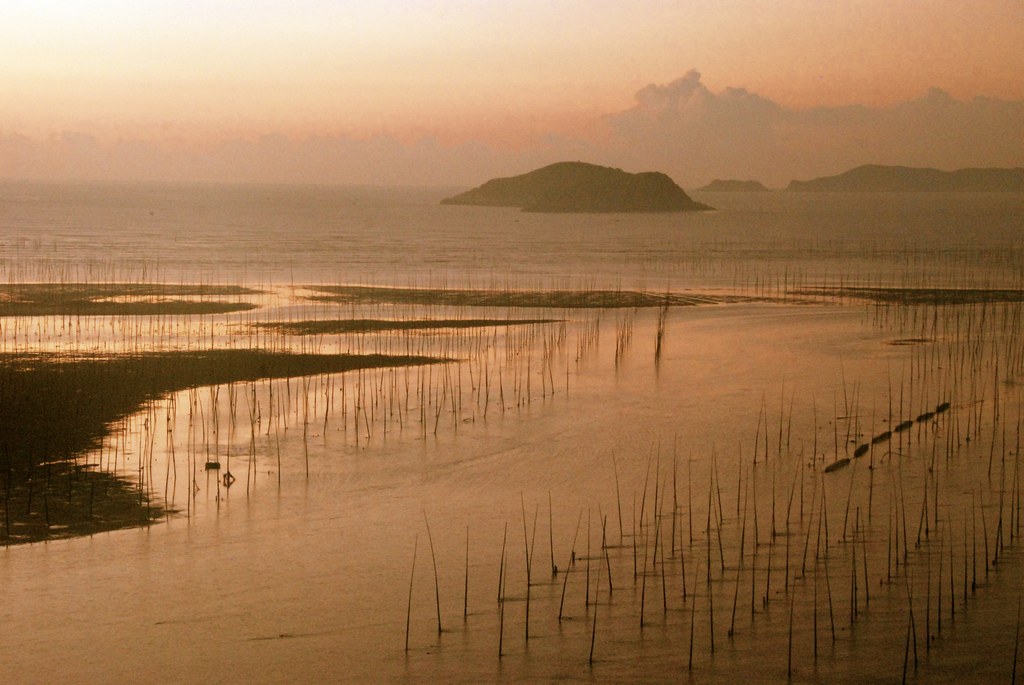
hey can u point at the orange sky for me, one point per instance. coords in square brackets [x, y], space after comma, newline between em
[499, 72]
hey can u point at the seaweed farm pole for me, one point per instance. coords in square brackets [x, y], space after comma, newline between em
[412, 574]
[465, 596]
[551, 537]
[501, 568]
[526, 545]
[682, 563]
[1016, 645]
[735, 597]
[984, 532]
[693, 614]
[789, 659]
[643, 577]
[810, 517]
[739, 477]
[828, 584]
[618, 497]
[938, 589]
[501, 604]
[913, 625]
[437, 586]
[635, 571]
[815, 616]
[928, 604]
[654, 556]
[785, 583]
[593, 629]
[675, 498]
[768, 576]
[569, 565]
[864, 559]
[689, 497]
[965, 560]
[607, 561]
[952, 591]
[906, 653]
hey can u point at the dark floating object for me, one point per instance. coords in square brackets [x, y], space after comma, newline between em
[942, 407]
[881, 437]
[213, 466]
[909, 341]
[861, 450]
[836, 465]
[925, 416]
[903, 426]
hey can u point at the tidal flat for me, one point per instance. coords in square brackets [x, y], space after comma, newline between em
[119, 299]
[613, 493]
[57, 409]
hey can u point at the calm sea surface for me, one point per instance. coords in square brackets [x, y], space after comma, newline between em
[403, 236]
[370, 507]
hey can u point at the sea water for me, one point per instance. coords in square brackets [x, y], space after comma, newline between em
[404, 237]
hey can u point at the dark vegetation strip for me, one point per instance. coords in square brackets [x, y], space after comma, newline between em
[374, 325]
[125, 299]
[67, 500]
[917, 295]
[55, 408]
[556, 299]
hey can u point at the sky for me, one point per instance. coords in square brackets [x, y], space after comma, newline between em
[449, 92]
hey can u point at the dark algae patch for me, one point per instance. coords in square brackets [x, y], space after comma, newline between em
[934, 296]
[376, 325]
[124, 299]
[55, 408]
[553, 299]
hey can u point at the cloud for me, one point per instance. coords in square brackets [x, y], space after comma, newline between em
[694, 134]
[682, 128]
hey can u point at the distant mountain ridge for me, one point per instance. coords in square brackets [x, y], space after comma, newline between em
[581, 187]
[733, 186]
[875, 177]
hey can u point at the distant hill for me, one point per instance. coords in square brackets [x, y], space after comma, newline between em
[874, 177]
[734, 186]
[581, 187]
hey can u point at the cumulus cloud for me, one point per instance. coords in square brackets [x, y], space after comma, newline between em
[695, 134]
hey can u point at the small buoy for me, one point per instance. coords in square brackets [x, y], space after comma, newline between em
[228, 479]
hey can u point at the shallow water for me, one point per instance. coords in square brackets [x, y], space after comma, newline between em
[300, 571]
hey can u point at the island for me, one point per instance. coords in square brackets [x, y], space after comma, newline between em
[581, 187]
[733, 186]
[876, 178]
